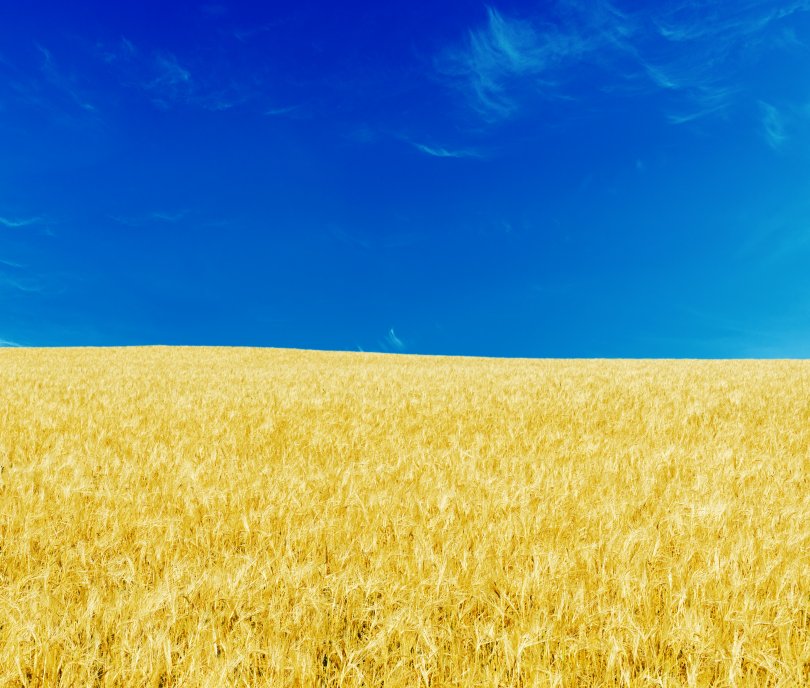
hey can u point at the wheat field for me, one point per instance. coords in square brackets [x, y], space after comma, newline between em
[246, 517]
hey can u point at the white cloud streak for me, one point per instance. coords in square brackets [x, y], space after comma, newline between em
[441, 152]
[168, 81]
[170, 73]
[282, 111]
[63, 82]
[155, 216]
[681, 25]
[704, 100]
[506, 50]
[394, 342]
[774, 125]
[169, 217]
[28, 285]
[688, 49]
[14, 223]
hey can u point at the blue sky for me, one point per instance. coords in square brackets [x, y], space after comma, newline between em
[542, 179]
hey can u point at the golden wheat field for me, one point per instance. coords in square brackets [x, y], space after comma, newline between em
[245, 517]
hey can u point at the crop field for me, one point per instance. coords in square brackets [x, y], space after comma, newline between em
[246, 517]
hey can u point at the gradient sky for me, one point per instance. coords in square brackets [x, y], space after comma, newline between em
[574, 178]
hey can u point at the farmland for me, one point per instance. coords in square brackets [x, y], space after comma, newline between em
[214, 517]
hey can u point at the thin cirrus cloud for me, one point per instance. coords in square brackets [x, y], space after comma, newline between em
[505, 50]
[169, 74]
[14, 223]
[702, 101]
[167, 81]
[773, 124]
[683, 23]
[8, 343]
[282, 111]
[47, 85]
[168, 217]
[24, 284]
[62, 82]
[393, 342]
[157, 216]
[687, 51]
[781, 239]
[698, 48]
[442, 152]
[508, 54]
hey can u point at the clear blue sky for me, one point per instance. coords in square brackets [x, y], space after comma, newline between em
[514, 179]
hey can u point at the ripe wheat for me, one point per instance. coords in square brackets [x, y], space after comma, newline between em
[215, 517]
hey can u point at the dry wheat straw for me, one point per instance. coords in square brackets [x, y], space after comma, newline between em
[213, 517]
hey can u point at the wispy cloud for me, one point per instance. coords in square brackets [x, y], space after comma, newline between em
[9, 343]
[704, 43]
[121, 51]
[689, 50]
[164, 78]
[503, 51]
[773, 125]
[282, 111]
[169, 80]
[777, 335]
[21, 283]
[14, 223]
[62, 81]
[39, 81]
[776, 241]
[170, 73]
[393, 342]
[691, 21]
[662, 78]
[160, 216]
[509, 55]
[703, 100]
[168, 217]
[441, 152]
[245, 34]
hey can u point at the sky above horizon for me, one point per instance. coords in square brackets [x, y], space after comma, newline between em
[540, 179]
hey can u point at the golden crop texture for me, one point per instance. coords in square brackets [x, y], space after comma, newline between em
[245, 517]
